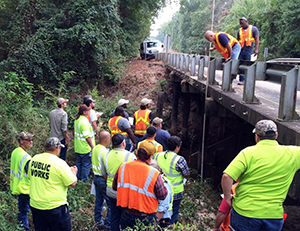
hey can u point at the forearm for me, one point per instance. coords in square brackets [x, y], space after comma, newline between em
[227, 182]
[89, 141]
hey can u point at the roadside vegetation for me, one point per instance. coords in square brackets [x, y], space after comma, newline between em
[25, 107]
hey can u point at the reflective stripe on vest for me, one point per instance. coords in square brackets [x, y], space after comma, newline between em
[220, 48]
[106, 163]
[136, 183]
[169, 166]
[113, 126]
[80, 136]
[97, 160]
[18, 175]
[142, 121]
[246, 36]
[143, 190]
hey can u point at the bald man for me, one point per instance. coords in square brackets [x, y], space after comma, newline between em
[225, 43]
[98, 155]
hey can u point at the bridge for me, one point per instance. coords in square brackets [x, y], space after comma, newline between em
[269, 92]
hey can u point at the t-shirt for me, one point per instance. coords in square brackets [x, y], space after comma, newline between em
[50, 177]
[265, 172]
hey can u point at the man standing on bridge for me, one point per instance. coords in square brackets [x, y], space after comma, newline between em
[265, 172]
[225, 43]
[247, 35]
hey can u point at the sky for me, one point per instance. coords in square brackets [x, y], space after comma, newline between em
[164, 15]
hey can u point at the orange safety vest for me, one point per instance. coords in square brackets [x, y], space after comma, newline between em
[113, 126]
[220, 48]
[142, 121]
[246, 36]
[136, 191]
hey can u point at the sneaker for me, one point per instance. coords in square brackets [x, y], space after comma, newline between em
[240, 83]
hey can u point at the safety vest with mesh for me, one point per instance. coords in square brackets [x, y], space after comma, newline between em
[97, 158]
[113, 126]
[165, 179]
[158, 146]
[113, 160]
[167, 161]
[220, 48]
[246, 36]
[82, 130]
[136, 181]
[142, 121]
[19, 181]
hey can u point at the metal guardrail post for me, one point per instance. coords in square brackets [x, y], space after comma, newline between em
[181, 62]
[193, 66]
[201, 63]
[212, 71]
[178, 61]
[187, 63]
[288, 95]
[226, 77]
[249, 85]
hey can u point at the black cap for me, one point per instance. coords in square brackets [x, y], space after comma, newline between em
[117, 139]
[87, 102]
[151, 130]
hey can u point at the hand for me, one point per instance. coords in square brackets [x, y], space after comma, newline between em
[226, 60]
[74, 170]
[212, 48]
[255, 53]
[66, 142]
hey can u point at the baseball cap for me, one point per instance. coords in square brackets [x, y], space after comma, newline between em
[148, 146]
[122, 102]
[117, 139]
[88, 97]
[61, 100]
[265, 128]
[87, 102]
[53, 142]
[243, 18]
[157, 121]
[146, 101]
[24, 136]
[151, 130]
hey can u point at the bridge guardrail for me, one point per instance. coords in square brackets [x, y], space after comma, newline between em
[288, 73]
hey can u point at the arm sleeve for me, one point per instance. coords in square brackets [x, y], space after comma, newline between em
[64, 122]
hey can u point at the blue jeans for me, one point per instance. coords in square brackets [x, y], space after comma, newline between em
[63, 151]
[176, 205]
[245, 55]
[100, 186]
[23, 204]
[57, 219]
[236, 49]
[83, 164]
[129, 220]
[116, 212]
[241, 223]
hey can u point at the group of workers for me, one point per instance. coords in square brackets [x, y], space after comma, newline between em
[141, 178]
[240, 47]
